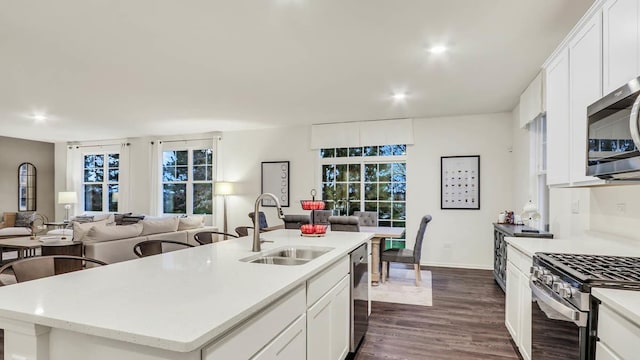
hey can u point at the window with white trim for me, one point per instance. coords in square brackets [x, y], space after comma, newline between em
[187, 181]
[369, 178]
[100, 181]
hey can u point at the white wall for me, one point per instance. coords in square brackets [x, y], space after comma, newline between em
[522, 184]
[461, 238]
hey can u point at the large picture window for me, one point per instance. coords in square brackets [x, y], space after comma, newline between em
[370, 178]
[187, 181]
[101, 176]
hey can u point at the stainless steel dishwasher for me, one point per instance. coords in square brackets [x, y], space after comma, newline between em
[359, 295]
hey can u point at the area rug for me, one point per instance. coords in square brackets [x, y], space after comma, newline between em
[400, 288]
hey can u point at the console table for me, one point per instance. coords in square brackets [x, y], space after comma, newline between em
[500, 231]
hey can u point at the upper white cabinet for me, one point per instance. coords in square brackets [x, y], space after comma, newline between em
[620, 43]
[557, 102]
[585, 87]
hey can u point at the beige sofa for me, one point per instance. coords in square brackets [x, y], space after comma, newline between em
[114, 243]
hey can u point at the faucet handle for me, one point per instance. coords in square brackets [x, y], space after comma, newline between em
[280, 213]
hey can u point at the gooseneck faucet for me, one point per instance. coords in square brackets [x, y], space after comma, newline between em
[256, 219]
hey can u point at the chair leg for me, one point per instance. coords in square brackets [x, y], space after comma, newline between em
[384, 272]
[418, 274]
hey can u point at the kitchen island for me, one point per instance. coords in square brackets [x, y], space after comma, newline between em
[189, 304]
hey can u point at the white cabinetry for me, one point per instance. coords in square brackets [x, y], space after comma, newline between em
[518, 300]
[328, 324]
[328, 314]
[585, 87]
[262, 330]
[618, 337]
[621, 43]
[290, 345]
[557, 103]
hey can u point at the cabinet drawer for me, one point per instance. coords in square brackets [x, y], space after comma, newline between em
[618, 333]
[323, 282]
[290, 345]
[246, 340]
[603, 353]
[519, 259]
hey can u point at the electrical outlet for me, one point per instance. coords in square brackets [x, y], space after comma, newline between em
[575, 207]
[621, 208]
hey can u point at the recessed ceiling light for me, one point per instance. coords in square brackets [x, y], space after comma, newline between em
[400, 96]
[39, 117]
[438, 49]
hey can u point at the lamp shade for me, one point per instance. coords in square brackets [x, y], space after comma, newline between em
[223, 188]
[67, 197]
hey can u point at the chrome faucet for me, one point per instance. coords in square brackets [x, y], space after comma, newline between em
[256, 219]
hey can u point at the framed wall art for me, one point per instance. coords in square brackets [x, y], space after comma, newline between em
[460, 182]
[275, 180]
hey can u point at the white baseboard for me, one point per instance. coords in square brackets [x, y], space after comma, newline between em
[461, 266]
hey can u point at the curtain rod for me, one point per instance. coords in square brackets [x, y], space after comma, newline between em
[101, 145]
[185, 140]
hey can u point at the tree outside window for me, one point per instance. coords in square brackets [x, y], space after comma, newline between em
[101, 176]
[187, 181]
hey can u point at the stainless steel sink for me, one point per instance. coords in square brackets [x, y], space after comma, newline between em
[290, 255]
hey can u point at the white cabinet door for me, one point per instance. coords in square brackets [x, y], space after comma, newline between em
[512, 303]
[328, 324]
[525, 317]
[585, 87]
[557, 100]
[621, 43]
[291, 344]
[604, 353]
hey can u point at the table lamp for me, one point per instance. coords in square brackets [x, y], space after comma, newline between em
[223, 189]
[67, 198]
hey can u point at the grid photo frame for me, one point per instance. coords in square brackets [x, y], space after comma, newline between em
[460, 182]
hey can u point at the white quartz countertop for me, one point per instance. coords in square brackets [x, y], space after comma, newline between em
[624, 302]
[590, 243]
[175, 301]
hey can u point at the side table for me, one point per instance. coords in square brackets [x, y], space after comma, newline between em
[64, 248]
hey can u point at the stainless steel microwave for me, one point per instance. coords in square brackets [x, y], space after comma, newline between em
[613, 135]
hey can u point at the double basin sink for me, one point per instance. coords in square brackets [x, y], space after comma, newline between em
[290, 255]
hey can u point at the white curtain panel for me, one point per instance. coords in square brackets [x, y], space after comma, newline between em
[155, 169]
[74, 176]
[124, 181]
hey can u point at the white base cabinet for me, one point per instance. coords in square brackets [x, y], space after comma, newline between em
[328, 324]
[518, 300]
[290, 345]
[618, 337]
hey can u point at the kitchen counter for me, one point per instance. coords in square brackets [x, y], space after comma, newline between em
[592, 243]
[625, 302]
[177, 301]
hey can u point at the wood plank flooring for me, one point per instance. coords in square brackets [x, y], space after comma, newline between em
[466, 321]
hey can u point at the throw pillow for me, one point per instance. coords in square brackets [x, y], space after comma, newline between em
[81, 229]
[83, 219]
[15, 231]
[23, 218]
[108, 233]
[191, 222]
[164, 225]
[131, 219]
[119, 218]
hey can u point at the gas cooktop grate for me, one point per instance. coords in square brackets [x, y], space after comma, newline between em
[600, 268]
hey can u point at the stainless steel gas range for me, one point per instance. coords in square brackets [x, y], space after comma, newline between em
[564, 316]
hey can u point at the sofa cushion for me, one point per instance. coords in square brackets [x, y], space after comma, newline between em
[23, 218]
[112, 251]
[80, 229]
[108, 233]
[191, 222]
[15, 231]
[157, 226]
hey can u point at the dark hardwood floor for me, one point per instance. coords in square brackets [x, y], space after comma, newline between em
[466, 321]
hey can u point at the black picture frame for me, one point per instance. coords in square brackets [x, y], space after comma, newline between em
[275, 179]
[460, 182]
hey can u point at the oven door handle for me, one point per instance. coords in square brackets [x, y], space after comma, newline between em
[634, 122]
[578, 317]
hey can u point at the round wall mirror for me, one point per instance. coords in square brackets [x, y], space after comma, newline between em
[26, 187]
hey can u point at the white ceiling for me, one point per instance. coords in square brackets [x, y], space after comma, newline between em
[106, 69]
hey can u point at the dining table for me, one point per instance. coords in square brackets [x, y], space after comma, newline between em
[380, 233]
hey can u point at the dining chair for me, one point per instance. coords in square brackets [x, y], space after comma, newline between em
[406, 256]
[206, 237]
[367, 218]
[262, 222]
[344, 223]
[321, 216]
[39, 267]
[295, 221]
[154, 247]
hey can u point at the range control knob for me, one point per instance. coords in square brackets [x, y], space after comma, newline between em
[550, 279]
[558, 285]
[567, 292]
